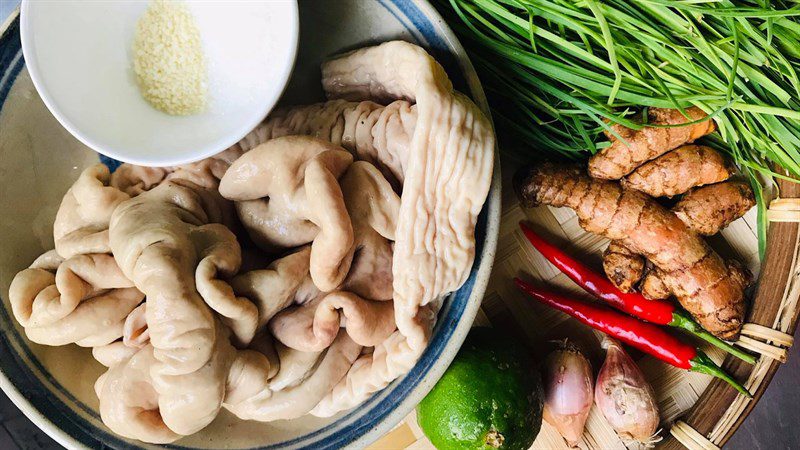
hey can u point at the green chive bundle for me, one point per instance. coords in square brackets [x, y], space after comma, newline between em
[559, 71]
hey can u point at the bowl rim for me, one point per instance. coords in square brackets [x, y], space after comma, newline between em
[480, 277]
[209, 149]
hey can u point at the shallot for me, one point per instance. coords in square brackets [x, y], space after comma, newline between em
[625, 398]
[567, 376]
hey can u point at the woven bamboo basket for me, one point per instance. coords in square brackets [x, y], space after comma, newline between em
[698, 412]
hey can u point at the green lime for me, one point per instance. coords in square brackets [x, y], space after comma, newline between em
[490, 397]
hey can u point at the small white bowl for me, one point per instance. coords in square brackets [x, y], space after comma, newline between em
[79, 56]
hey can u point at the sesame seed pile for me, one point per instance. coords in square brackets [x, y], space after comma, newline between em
[168, 59]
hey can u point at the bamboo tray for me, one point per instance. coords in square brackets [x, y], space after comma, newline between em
[698, 412]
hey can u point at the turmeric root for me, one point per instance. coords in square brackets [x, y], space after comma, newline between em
[680, 170]
[623, 267]
[705, 210]
[740, 273]
[653, 286]
[696, 275]
[711, 208]
[640, 146]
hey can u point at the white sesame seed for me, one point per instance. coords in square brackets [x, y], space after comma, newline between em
[169, 63]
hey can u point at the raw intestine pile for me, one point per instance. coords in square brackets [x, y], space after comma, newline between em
[366, 207]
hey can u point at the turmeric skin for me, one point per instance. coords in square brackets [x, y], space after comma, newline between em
[711, 208]
[696, 275]
[653, 286]
[639, 146]
[705, 210]
[680, 170]
[623, 267]
[739, 273]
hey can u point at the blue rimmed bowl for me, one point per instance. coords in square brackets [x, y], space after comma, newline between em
[53, 386]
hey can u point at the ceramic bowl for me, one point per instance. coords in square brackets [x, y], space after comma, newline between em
[39, 160]
[79, 56]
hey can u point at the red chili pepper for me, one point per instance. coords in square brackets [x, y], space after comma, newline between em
[647, 337]
[657, 311]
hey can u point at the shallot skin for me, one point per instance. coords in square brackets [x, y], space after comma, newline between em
[567, 377]
[625, 398]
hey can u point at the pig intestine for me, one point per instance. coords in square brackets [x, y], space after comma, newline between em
[148, 268]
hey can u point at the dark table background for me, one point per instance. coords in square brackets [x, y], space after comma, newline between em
[774, 424]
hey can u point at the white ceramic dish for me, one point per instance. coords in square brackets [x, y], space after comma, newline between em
[78, 54]
[39, 159]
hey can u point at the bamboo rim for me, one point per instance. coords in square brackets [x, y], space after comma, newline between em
[769, 351]
[784, 210]
[690, 438]
[767, 334]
